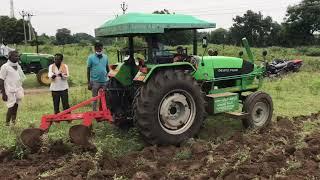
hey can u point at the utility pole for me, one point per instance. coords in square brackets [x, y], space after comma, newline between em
[29, 25]
[11, 9]
[124, 7]
[224, 41]
[116, 37]
[24, 14]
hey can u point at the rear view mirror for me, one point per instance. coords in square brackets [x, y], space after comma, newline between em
[204, 42]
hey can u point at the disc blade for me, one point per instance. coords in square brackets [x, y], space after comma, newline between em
[31, 138]
[80, 134]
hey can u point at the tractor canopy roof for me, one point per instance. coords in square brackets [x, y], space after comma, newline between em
[138, 23]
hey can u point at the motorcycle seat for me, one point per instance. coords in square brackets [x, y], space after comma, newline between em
[280, 65]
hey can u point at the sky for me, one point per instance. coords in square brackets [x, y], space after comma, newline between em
[86, 15]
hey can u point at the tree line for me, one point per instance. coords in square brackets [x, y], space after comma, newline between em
[301, 26]
[12, 31]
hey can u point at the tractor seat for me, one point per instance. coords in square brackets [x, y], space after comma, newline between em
[280, 65]
[164, 59]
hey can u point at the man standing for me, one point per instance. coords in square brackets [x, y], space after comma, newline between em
[4, 49]
[11, 77]
[97, 71]
[59, 73]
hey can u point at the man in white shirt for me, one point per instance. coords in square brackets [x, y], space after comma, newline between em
[59, 73]
[4, 49]
[11, 78]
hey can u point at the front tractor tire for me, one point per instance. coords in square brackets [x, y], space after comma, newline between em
[170, 108]
[43, 78]
[259, 107]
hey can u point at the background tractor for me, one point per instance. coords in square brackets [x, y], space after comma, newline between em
[34, 63]
[38, 64]
[168, 101]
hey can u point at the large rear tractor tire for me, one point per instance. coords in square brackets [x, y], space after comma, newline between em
[43, 77]
[170, 108]
[259, 107]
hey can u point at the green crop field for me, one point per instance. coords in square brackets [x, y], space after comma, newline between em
[294, 94]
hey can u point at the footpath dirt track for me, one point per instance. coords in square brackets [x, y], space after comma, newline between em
[279, 152]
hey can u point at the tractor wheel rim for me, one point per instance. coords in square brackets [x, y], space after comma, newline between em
[176, 112]
[45, 78]
[260, 114]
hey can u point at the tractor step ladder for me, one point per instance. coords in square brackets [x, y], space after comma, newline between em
[237, 114]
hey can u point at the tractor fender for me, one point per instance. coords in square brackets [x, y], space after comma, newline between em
[152, 69]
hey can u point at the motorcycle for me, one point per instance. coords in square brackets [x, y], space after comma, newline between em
[280, 67]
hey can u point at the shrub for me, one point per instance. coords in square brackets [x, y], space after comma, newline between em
[313, 51]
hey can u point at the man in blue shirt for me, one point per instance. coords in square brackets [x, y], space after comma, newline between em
[97, 71]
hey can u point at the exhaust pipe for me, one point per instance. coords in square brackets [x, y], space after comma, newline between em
[248, 50]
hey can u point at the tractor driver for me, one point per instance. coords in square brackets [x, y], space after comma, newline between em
[11, 78]
[180, 56]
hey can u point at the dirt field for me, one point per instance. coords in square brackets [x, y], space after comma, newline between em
[282, 151]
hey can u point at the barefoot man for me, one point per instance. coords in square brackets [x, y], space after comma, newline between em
[11, 77]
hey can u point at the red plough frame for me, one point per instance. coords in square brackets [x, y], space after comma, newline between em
[87, 118]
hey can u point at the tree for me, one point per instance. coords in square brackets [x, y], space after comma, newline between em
[45, 39]
[257, 29]
[63, 36]
[218, 36]
[302, 22]
[83, 37]
[11, 29]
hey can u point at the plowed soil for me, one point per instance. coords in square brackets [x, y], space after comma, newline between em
[281, 151]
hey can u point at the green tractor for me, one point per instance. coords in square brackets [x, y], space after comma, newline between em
[34, 63]
[38, 64]
[169, 101]
[166, 95]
